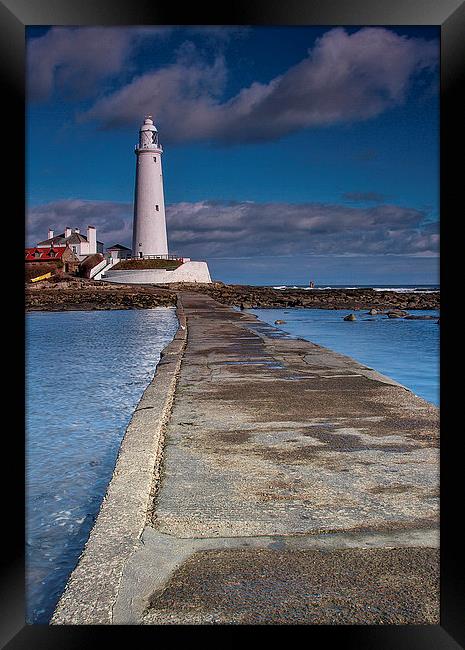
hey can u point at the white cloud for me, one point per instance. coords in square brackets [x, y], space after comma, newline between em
[228, 229]
[77, 60]
[345, 77]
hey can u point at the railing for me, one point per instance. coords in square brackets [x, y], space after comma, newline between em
[157, 257]
[98, 267]
[150, 147]
[109, 262]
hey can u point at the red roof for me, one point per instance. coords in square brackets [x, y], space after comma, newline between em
[44, 254]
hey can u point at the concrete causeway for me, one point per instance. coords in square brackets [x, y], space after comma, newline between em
[292, 485]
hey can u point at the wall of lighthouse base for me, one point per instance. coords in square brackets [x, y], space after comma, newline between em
[187, 272]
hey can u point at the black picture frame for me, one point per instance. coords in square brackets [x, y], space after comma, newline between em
[15, 16]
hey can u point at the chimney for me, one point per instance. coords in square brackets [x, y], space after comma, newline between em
[77, 230]
[92, 239]
[50, 234]
[68, 231]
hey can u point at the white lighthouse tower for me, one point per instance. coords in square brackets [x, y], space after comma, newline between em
[149, 230]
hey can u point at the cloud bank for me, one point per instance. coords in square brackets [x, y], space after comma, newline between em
[77, 61]
[217, 229]
[345, 77]
[112, 220]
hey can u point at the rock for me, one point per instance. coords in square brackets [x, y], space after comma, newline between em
[420, 317]
[372, 312]
[397, 313]
[279, 322]
[350, 317]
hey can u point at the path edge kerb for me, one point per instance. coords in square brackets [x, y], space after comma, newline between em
[92, 587]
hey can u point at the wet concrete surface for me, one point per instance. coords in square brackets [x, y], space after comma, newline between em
[300, 440]
[313, 587]
[274, 436]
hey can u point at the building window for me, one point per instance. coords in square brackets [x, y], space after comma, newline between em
[154, 159]
[74, 249]
[157, 208]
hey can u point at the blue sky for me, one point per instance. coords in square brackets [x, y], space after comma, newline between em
[290, 153]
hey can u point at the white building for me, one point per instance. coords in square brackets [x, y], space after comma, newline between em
[149, 229]
[81, 245]
[119, 252]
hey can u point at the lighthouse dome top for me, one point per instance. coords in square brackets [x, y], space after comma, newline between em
[148, 124]
[148, 137]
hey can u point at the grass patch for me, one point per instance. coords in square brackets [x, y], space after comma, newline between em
[137, 265]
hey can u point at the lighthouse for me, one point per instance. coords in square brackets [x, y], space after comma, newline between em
[149, 229]
[149, 239]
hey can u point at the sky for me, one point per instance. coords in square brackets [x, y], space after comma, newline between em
[291, 154]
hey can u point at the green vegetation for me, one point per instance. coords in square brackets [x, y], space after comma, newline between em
[125, 265]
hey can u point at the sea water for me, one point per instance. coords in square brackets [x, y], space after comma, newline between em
[397, 288]
[85, 373]
[406, 350]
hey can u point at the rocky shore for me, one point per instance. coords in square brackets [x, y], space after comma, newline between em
[87, 295]
[72, 294]
[250, 297]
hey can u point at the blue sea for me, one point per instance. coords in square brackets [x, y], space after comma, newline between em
[85, 373]
[406, 350]
[398, 288]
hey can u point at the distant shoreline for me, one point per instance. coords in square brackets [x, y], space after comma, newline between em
[88, 295]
